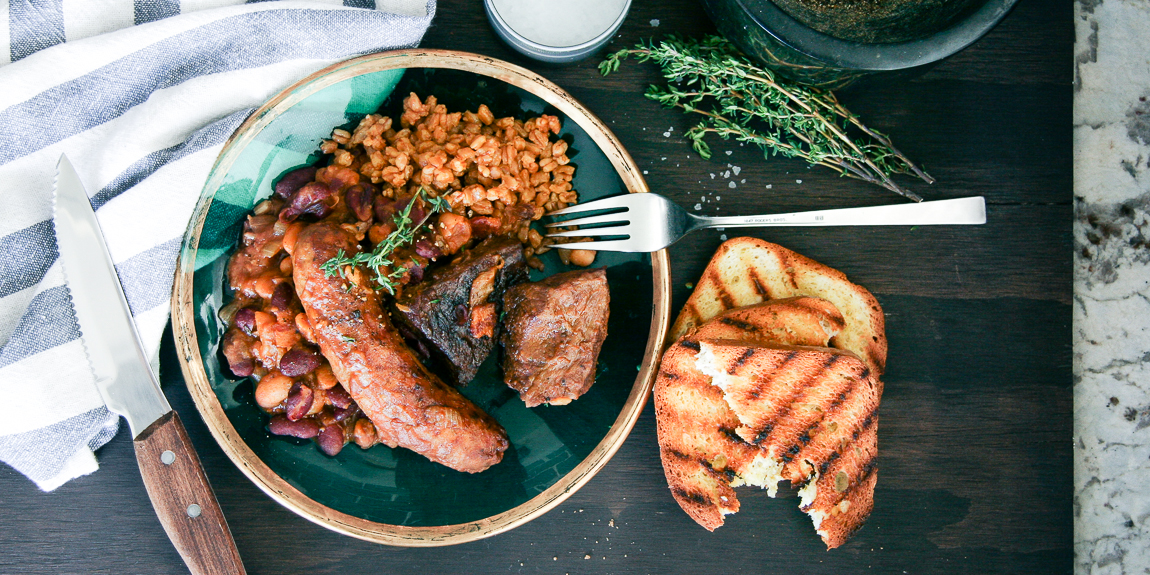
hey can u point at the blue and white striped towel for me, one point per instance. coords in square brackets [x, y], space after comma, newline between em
[141, 96]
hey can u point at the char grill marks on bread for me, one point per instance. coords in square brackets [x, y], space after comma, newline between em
[749, 395]
[811, 409]
[746, 271]
[409, 406]
[699, 444]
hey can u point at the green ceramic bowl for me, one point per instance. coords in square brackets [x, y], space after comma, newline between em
[395, 496]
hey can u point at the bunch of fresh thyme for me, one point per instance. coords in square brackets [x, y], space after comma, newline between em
[387, 271]
[739, 99]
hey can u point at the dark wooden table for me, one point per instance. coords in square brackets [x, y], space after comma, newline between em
[975, 439]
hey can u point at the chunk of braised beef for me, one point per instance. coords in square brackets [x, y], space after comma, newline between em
[294, 180]
[438, 311]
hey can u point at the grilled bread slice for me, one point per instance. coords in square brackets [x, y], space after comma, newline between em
[746, 271]
[811, 411]
[701, 450]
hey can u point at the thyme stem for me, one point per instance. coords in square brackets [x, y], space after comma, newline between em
[738, 99]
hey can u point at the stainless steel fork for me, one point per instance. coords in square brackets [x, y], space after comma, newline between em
[651, 222]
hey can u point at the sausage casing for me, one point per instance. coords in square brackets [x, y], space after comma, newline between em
[409, 405]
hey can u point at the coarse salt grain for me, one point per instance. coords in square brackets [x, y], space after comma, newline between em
[798, 181]
[698, 206]
[769, 186]
[729, 152]
[654, 22]
[736, 169]
[723, 237]
[731, 184]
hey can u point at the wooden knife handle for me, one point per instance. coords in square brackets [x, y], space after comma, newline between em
[184, 500]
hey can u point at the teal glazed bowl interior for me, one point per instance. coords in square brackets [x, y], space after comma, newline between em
[396, 496]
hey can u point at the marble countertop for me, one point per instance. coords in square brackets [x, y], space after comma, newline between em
[1112, 286]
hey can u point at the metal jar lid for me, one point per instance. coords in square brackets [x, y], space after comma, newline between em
[556, 30]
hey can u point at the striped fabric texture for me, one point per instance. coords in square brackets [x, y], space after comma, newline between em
[141, 97]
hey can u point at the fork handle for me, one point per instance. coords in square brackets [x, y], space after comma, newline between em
[957, 211]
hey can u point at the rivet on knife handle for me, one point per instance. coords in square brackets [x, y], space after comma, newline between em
[184, 500]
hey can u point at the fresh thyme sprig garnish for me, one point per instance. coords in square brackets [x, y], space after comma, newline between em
[736, 97]
[388, 271]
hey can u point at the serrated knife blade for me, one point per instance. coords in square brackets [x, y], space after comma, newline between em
[107, 331]
[171, 470]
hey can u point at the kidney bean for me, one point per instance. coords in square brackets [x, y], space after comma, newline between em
[294, 180]
[338, 397]
[342, 414]
[385, 209]
[303, 429]
[299, 401]
[242, 368]
[331, 440]
[299, 361]
[359, 199]
[315, 198]
[483, 226]
[461, 314]
[425, 248]
[282, 296]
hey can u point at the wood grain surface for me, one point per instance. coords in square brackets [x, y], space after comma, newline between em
[975, 447]
[183, 498]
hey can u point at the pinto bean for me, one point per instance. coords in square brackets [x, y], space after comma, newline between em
[273, 389]
[365, 435]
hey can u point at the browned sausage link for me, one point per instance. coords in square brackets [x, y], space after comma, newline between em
[409, 406]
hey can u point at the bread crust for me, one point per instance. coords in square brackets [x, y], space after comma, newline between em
[694, 423]
[746, 271]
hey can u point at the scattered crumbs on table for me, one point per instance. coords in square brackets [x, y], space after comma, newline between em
[712, 176]
[556, 558]
[664, 159]
[727, 174]
[644, 172]
[654, 22]
[667, 134]
[717, 198]
[698, 206]
[730, 152]
[611, 523]
[768, 186]
[587, 556]
[743, 181]
[736, 169]
[798, 181]
[731, 184]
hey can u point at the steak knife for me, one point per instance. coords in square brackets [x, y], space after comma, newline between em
[175, 480]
